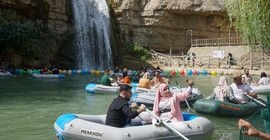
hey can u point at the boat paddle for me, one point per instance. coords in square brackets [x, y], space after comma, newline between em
[134, 77]
[181, 91]
[167, 125]
[256, 100]
[153, 87]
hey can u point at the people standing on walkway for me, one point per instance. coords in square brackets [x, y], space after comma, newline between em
[166, 104]
[240, 90]
[106, 79]
[193, 58]
[159, 79]
[264, 80]
[246, 78]
[119, 113]
[188, 57]
[230, 59]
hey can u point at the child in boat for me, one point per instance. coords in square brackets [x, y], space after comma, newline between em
[119, 80]
[166, 104]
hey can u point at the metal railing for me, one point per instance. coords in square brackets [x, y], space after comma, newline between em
[216, 42]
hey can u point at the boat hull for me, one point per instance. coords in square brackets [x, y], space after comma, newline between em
[48, 76]
[225, 109]
[78, 126]
[148, 98]
[262, 89]
[5, 74]
[97, 88]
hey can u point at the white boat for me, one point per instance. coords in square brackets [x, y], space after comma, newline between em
[262, 89]
[98, 88]
[79, 126]
[147, 98]
[5, 73]
[115, 74]
[48, 76]
[172, 89]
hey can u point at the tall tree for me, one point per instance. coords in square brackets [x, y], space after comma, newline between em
[252, 21]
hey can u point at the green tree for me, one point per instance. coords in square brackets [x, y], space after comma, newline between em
[252, 21]
[137, 51]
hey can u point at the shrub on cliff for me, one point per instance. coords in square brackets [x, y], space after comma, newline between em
[22, 36]
[137, 51]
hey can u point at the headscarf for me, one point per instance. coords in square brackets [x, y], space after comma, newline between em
[146, 75]
[222, 90]
[160, 96]
[124, 74]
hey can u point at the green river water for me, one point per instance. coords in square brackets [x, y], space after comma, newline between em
[29, 107]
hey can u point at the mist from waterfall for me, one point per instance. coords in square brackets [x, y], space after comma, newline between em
[92, 26]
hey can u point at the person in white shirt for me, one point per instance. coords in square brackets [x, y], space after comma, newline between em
[246, 78]
[240, 89]
[264, 80]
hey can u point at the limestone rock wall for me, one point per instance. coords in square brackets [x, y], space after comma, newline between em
[161, 24]
[53, 13]
[57, 17]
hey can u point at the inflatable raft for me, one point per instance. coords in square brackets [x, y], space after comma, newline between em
[48, 76]
[225, 109]
[172, 89]
[137, 78]
[5, 74]
[78, 126]
[262, 89]
[148, 98]
[97, 88]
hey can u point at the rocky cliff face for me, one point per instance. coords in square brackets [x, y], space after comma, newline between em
[53, 13]
[56, 16]
[161, 24]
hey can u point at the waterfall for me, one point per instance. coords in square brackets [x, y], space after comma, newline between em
[92, 25]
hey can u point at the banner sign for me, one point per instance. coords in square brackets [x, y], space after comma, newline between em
[218, 53]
